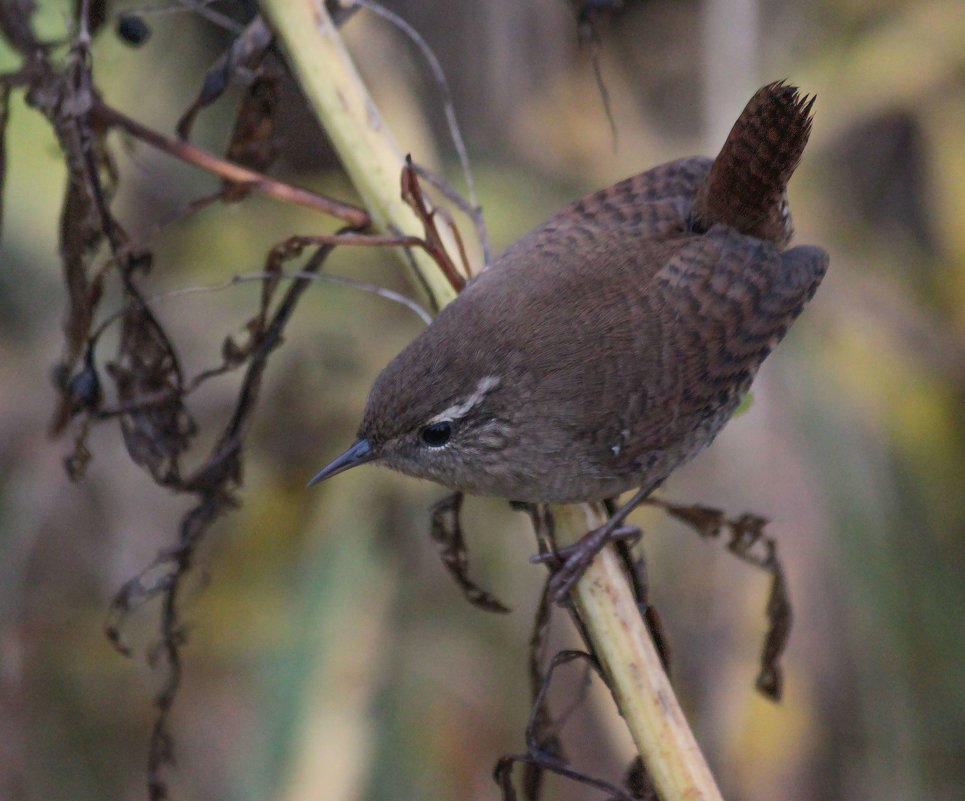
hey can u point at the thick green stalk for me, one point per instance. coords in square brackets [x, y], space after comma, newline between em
[630, 660]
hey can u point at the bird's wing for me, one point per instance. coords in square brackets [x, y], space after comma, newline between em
[718, 305]
[652, 205]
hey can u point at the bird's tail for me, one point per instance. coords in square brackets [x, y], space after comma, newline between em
[746, 186]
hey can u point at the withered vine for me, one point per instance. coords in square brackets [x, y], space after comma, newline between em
[142, 384]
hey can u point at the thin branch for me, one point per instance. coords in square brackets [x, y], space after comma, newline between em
[472, 208]
[433, 244]
[474, 213]
[199, 7]
[352, 215]
[382, 292]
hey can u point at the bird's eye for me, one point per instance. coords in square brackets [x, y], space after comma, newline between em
[438, 434]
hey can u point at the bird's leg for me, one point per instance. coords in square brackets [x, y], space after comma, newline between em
[577, 557]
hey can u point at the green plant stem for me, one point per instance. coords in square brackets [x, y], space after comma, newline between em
[632, 665]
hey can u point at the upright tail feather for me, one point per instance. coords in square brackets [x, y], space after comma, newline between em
[746, 186]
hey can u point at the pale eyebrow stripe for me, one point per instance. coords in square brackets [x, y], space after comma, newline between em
[458, 410]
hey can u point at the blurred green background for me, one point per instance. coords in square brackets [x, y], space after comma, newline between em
[328, 655]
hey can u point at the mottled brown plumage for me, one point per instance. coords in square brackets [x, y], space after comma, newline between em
[610, 344]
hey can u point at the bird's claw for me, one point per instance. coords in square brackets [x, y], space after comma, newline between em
[570, 562]
[560, 555]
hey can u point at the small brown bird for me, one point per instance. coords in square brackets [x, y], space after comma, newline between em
[609, 345]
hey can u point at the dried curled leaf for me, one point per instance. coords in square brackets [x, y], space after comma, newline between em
[770, 681]
[80, 234]
[85, 221]
[446, 532]
[156, 426]
[254, 142]
[237, 63]
[750, 544]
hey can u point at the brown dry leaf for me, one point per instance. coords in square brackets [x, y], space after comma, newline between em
[242, 58]
[770, 680]
[446, 532]
[157, 428]
[254, 143]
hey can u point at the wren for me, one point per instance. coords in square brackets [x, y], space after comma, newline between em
[609, 345]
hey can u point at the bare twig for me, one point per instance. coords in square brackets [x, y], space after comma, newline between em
[250, 179]
[246, 278]
[472, 208]
[200, 7]
[433, 244]
[539, 734]
[474, 213]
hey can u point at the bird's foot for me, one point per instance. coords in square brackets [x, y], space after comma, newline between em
[571, 561]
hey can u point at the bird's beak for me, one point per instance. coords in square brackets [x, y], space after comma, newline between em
[360, 453]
